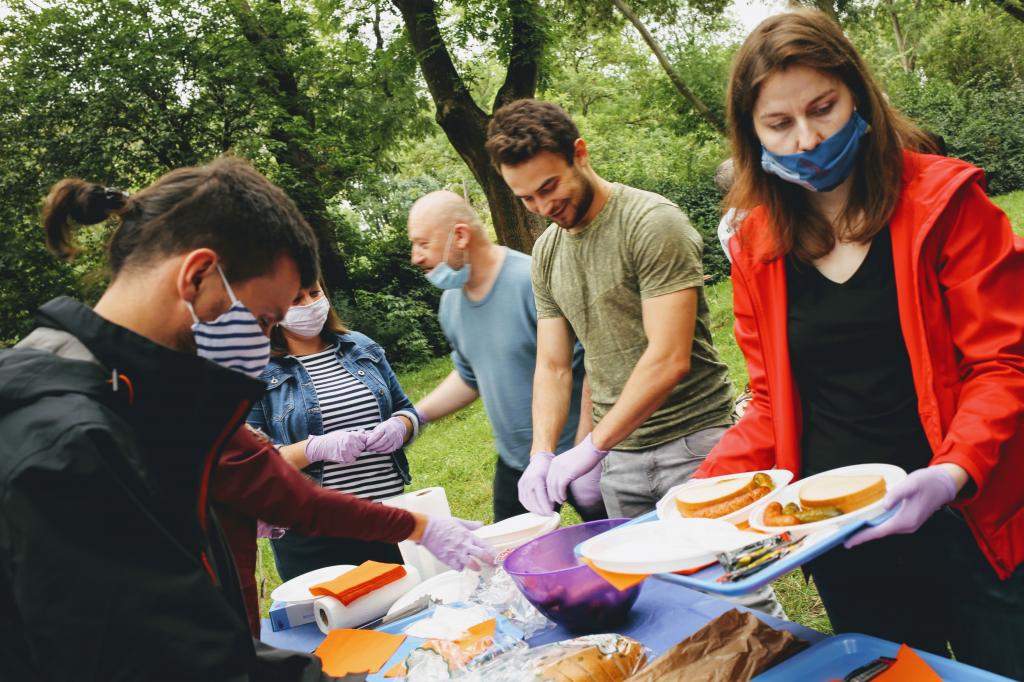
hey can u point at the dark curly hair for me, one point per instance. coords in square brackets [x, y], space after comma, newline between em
[522, 129]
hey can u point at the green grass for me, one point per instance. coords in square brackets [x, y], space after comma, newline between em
[458, 453]
[1013, 204]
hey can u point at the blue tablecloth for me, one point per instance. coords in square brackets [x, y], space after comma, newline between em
[663, 615]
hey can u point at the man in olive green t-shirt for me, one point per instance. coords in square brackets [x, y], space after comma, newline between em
[621, 271]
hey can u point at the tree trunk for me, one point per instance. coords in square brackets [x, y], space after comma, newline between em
[907, 57]
[464, 122]
[306, 189]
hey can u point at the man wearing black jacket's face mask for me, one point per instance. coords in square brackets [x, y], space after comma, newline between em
[112, 566]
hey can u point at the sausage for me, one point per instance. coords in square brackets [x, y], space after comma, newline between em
[729, 506]
[773, 516]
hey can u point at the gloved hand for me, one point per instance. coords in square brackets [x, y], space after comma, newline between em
[341, 447]
[421, 416]
[265, 530]
[922, 493]
[533, 491]
[586, 490]
[570, 465]
[452, 541]
[387, 436]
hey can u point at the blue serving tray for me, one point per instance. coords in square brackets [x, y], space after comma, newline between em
[832, 658]
[707, 579]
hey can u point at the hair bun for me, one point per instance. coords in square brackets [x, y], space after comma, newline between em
[92, 203]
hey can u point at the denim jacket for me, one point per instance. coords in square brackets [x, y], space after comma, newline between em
[290, 412]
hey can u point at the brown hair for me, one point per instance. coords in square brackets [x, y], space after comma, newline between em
[225, 205]
[810, 38]
[522, 129]
[333, 325]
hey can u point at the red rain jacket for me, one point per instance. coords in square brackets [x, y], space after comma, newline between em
[252, 481]
[960, 290]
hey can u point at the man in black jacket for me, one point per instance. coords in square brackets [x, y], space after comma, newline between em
[112, 566]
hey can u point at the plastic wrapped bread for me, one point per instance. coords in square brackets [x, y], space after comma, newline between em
[592, 658]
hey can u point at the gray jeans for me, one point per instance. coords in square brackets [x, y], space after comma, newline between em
[633, 482]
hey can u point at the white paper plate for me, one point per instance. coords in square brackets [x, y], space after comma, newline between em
[517, 528]
[668, 510]
[892, 475]
[296, 590]
[448, 588]
[664, 546]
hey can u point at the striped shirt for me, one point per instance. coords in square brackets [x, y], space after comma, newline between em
[346, 403]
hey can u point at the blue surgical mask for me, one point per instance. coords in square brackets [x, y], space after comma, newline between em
[234, 340]
[825, 167]
[443, 276]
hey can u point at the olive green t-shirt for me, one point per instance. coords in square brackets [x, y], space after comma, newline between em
[639, 246]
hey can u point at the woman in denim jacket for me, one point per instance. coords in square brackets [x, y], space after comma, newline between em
[336, 411]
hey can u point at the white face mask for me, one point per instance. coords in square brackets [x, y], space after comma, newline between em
[234, 340]
[307, 320]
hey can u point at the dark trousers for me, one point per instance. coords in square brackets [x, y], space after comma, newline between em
[928, 589]
[296, 554]
[506, 496]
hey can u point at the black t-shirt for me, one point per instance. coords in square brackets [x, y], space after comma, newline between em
[851, 366]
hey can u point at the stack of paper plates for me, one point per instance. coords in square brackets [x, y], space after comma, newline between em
[664, 546]
[517, 530]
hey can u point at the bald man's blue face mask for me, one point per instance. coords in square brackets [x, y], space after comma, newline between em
[444, 276]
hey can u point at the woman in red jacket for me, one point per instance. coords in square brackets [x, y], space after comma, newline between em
[878, 305]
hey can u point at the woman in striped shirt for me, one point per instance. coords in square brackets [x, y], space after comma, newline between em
[337, 412]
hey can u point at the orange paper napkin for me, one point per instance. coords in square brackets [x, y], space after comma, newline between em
[909, 667]
[359, 582]
[346, 652]
[624, 581]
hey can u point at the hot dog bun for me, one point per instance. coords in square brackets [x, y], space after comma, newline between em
[848, 493]
[691, 500]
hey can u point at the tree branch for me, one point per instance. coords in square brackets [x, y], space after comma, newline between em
[1012, 8]
[673, 75]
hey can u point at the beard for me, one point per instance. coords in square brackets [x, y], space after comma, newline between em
[586, 200]
[185, 342]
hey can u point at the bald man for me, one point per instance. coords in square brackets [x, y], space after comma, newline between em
[489, 317]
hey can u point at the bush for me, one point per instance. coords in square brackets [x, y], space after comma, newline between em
[406, 328]
[980, 122]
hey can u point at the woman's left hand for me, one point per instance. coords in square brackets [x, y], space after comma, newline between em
[922, 493]
[387, 436]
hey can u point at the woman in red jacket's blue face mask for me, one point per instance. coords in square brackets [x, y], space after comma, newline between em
[809, 129]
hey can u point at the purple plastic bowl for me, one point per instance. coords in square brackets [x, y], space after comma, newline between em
[564, 589]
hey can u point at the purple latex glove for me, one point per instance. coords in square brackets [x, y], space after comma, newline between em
[586, 490]
[421, 416]
[570, 465]
[922, 493]
[340, 447]
[452, 541]
[387, 436]
[533, 490]
[265, 530]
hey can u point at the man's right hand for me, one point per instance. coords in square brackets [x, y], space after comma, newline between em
[341, 447]
[533, 490]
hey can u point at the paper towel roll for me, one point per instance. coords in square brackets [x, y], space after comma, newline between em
[331, 614]
[434, 502]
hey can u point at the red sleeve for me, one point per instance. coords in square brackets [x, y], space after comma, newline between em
[750, 444]
[253, 479]
[981, 271]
